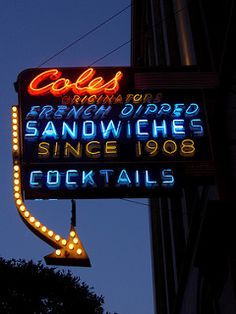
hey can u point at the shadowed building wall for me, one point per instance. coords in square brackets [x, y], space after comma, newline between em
[193, 235]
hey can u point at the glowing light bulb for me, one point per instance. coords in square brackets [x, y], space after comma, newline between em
[57, 237]
[75, 240]
[27, 214]
[63, 241]
[16, 168]
[22, 208]
[32, 219]
[79, 251]
[50, 233]
[37, 224]
[72, 234]
[44, 229]
[71, 246]
[18, 202]
[58, 252]
[17, 195]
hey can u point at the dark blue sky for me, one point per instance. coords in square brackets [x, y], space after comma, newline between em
[115, 233]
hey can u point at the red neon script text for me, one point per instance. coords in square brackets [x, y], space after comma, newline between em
[85, 84]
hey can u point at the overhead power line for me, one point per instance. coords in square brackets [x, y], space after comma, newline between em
[110, 52]
[129, 41]
[85, 35]
[135, 202]
[102, 24]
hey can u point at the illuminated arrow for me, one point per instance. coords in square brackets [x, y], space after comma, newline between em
[68, 255]
[68, 252]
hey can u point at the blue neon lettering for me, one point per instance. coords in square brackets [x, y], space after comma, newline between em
[88, 112]
[70, 174]
[192, 110]
[75, 113]
[53, 179]
[149, 183]
[165, 109]
[156, 129]
[127, 111]
[61, 112]
[137, 179]
[89, 130]
[196, 127]
[66, 130]
[150, 110]
[87, 178]
[179, 108]
[106, 131]
[46, 112]
[138, 111]
[168, 179]
[128, 129]
[139, 125]
[123, 178]
[106, 173]
[50, 131]
[34, 177]
[33, 113]
[178, 130]
[102, 112]
[31, 130]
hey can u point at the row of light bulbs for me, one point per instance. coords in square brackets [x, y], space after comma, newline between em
[26, 215]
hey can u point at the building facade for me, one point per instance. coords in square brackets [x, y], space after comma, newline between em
[193, 236]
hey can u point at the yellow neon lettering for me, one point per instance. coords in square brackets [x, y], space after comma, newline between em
[100, 99]
[111, 148]
[129, 97]
[93, 149]
[92, 99]
[70, 150]
[138, 149]
[108, 100]
[119, 99]
[43, 150]
[169, 147]
[66, 100]
[56, 150]
[75, 100]
[152, 147]
[137, 98]
[187, 148]
[147, 98]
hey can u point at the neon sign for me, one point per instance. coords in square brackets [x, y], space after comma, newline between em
[91, 133]
[84, 84]
[78, 135]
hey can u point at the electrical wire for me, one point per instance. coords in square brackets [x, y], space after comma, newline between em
[135, 202]
[102, 24]
[130, 41]
[110, 52]
[85, 35]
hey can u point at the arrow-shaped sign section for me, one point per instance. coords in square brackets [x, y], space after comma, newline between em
[68, 252]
